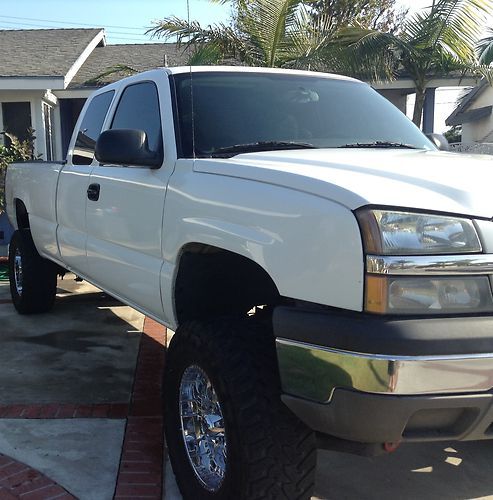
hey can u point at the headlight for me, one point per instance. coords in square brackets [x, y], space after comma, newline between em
[389, 232]
[403, 234]
[426, 295]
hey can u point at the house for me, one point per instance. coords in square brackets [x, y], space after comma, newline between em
[47, 74]
[475, 114]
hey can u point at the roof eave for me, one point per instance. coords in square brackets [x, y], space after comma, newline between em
[467, 101]
[32, 82]
[98, 40]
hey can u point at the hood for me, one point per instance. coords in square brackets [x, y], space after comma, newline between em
[428, 180]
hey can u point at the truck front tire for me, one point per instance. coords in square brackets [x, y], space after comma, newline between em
[32, 279]
[228, 433]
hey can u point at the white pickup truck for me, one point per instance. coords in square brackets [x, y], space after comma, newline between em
[328, 271]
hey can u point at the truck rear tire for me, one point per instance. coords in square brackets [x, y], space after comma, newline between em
[228, 433]
[32, 279]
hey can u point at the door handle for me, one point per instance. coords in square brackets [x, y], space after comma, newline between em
[93, 192]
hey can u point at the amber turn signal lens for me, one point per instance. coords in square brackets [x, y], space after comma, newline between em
[376, 294]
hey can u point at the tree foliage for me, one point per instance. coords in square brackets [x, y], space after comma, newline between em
[382, 15]
[16, 150]
[485, 48]
[278, 33]
[432, 43]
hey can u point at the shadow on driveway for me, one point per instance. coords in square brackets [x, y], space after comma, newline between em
[460, 470]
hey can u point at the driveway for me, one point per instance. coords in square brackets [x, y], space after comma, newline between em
[80, 416]
[80, 399]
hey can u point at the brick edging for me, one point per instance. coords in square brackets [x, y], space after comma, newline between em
[142, 461]
[59, 411]
[19, 481]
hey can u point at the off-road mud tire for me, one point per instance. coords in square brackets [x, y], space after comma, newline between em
[39, 276]
[270, 453]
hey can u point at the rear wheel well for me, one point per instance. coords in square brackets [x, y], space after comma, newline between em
[22, 215]
[215, 282]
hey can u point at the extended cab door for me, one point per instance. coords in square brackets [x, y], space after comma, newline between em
[73, 183]
[125, 219]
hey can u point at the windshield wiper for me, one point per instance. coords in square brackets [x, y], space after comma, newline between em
[259, 146]
[379, 144]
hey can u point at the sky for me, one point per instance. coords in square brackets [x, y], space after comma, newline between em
[125, 21]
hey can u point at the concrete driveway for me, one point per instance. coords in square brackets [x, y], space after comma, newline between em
[80, 416]
[80, 399]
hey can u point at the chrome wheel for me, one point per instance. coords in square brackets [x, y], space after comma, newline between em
[18, 272]
[202, 426]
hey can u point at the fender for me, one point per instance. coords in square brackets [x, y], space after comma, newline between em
[309, 246]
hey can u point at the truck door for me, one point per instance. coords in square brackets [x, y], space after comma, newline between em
[125, 211]
[73, 184]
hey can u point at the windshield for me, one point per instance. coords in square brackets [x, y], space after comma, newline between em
[243, 112]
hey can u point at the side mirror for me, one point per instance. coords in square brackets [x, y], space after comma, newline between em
[126, 147]
[440, 141]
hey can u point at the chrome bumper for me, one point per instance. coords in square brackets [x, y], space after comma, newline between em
[314, 372]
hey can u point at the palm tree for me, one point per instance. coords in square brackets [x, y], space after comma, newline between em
[273, 33]
[264, 33]
[433, 42]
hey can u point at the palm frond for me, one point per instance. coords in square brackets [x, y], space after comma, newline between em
[220, 35]
[121, 70]
[205, 55]
[484, 49]
[268, 23]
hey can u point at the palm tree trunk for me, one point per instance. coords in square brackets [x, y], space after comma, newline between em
[419, 105]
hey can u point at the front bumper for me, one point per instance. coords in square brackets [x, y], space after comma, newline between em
[379, 374]
[352, 384]
[376, 418]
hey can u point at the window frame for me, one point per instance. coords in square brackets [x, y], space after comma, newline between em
[110, 117]
[80, 121]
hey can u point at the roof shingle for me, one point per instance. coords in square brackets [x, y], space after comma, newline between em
[42, 52]
[140, 57]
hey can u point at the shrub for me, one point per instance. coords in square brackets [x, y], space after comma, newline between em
[16, 151]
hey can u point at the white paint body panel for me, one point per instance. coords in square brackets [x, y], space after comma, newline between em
[289, 211]
[426, 180]
[124, 233]
[310, 246]
[36, 183]
[71, 213]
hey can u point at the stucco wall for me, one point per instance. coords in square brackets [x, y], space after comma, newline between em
[36, 99]
[396, 97]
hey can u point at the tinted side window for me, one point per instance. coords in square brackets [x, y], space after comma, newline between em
[91, 128]
[139, 109]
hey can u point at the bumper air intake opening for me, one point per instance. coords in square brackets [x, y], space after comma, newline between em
[440, 423]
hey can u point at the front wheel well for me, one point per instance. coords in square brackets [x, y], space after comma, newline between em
[215, 282]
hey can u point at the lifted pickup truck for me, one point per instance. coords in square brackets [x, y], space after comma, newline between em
[327, 270]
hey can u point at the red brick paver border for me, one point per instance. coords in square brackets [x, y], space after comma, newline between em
[58, 411]
[18, 481]
[142, 461]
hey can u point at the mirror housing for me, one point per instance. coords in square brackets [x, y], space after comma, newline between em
[126, 147]
[440, 141]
